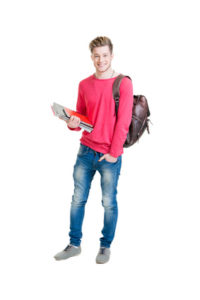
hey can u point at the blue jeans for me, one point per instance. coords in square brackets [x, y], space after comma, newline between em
[84, 170]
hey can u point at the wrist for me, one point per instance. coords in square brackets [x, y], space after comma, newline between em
[112, 155]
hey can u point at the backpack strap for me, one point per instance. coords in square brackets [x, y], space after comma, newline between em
[116, 93]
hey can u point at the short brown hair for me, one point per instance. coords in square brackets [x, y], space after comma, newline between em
[101, 41]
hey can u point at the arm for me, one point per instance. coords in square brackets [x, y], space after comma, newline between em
[80, 108]
[124, 117]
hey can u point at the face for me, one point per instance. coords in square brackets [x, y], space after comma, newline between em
[102, 58]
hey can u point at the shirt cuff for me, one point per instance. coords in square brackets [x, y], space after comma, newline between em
[74, 129]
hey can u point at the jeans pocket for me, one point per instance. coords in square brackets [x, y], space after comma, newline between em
[82, 150]
[112, 162]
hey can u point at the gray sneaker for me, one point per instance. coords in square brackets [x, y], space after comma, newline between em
[103, 255]
[68, 252]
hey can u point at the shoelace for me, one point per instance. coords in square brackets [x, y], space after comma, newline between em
[68, 247]
[102, 250]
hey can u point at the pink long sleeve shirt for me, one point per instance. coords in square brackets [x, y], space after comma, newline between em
[95, 100]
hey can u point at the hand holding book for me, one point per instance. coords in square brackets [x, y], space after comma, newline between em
[73, 122]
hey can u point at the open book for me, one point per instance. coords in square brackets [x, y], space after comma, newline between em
[65, 114]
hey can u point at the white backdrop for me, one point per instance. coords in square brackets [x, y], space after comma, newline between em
[44, 55]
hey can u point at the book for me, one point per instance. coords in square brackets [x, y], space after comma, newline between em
[65, 113]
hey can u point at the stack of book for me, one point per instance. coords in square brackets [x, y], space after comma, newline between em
[65, 114]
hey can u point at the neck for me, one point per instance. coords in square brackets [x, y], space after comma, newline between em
[105, 75]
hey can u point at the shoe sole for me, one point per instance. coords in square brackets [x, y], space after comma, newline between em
[66, 257]
[101, 263]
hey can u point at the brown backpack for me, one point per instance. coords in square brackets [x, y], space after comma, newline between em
[140, 113]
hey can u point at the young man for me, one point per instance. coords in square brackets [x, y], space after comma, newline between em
[101, 150]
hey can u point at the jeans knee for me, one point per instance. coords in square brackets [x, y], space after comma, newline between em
[109, 203]
[78, 201]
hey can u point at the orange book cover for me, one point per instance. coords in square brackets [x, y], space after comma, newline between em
[83, 118]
